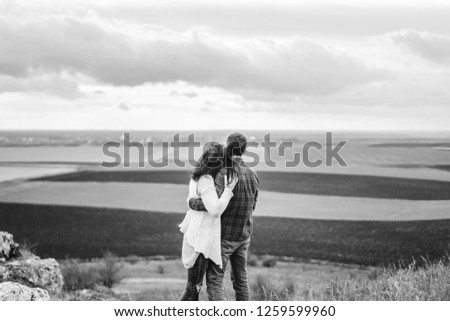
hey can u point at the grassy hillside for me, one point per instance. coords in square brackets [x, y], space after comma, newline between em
[64, 231]
[428, 282]
[289, 182]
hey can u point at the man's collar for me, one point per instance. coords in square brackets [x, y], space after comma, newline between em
[238, 159]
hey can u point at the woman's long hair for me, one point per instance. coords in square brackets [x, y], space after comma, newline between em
[214, 159]
[229, 164]
[210, 163]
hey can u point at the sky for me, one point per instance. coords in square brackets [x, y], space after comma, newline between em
[152, 65]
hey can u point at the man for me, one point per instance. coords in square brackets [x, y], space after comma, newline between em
[236, 226]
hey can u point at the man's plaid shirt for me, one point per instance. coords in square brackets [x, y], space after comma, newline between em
[236, 220]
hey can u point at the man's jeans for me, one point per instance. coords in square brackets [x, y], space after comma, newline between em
[236, 253]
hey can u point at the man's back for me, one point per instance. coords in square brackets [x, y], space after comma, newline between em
[237, 220]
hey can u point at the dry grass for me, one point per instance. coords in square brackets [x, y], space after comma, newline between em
[424, 282]
[285, 282]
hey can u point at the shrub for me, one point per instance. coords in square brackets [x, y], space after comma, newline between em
[161, 269]
[77, 277]
[132, 259]
[110, 273]
[252, 260]
[26, 250]
[270, 262]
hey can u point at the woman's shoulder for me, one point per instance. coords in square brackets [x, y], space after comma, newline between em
[205, 180]
[192, 185]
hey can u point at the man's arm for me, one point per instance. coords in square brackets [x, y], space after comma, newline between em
[256, 198]
[197, 204]
[257, 188]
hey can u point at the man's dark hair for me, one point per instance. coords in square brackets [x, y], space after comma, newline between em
[236, 144]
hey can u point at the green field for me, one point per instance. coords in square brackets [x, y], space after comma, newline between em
[66, 231]
[442, 167]
[84, 232]
[288, 182]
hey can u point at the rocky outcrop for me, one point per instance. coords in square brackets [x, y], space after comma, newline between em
[35, 272]
[8, 249]
[26, 278]
[11, 291]
[2, 270]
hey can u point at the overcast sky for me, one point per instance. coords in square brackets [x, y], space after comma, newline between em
[124, 64]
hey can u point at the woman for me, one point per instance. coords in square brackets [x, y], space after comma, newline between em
[201, 241]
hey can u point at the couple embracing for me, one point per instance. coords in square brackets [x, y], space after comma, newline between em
[217, 227]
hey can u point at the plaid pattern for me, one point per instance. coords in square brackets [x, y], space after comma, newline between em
[237, 220]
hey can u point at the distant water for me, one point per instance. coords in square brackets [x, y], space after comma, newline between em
[384, 154]
[10, 173]
[54, 154]
[65, 154]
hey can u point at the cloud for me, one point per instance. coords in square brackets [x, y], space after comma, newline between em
[124, 54]
[286, 18]
[410, 90]
[427, 45]
[52, 84]
[300, 66]
[124, 106]
[191, 94]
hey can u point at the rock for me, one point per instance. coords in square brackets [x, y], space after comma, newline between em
[35, 272]
[15, 251]
[11, 291]
[8, 249]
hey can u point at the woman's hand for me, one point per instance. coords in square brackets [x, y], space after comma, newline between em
[232, 184]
